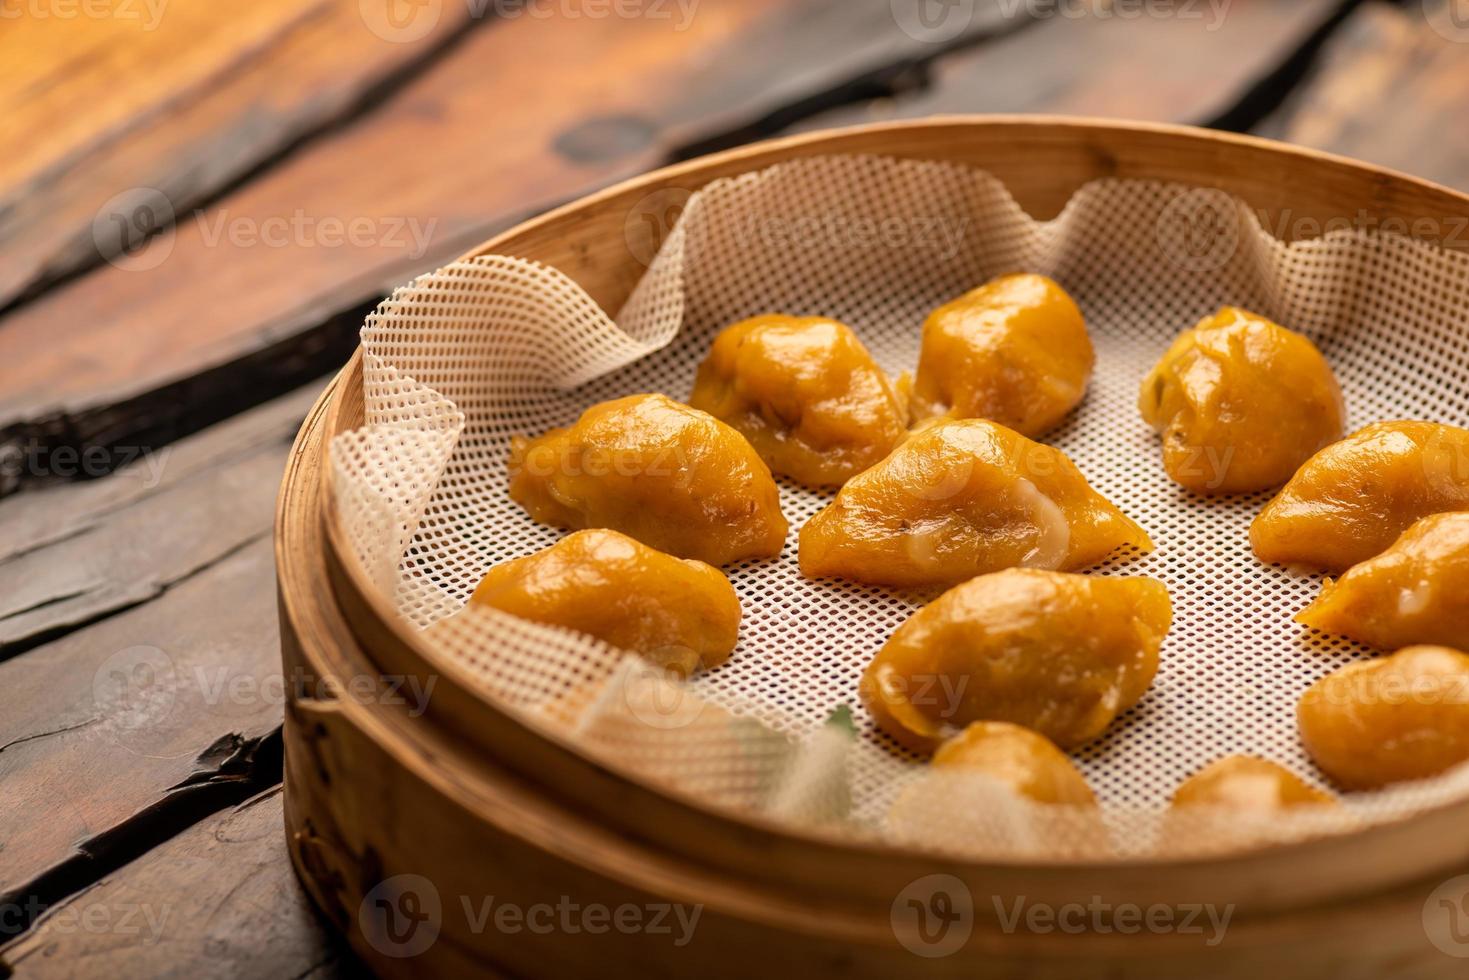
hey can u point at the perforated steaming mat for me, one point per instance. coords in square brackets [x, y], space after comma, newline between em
[462, 360]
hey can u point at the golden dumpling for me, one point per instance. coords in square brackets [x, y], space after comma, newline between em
[1060, 654]
[1352, 499]
[1417, 591]
[1027, 763]
[1243, 782]
[1014, 351]
[958, 499]
[1390, 720]
[678, 614]
[806, 393]
[669, 475]
[1240, 402]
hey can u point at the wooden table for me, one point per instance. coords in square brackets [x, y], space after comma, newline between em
[199, 203]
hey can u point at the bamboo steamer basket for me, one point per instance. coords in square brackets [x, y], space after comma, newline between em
[483, 804]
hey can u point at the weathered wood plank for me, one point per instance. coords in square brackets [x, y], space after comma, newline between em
[1186, 63]
[1390, 89]
[174, 95]
[52, 514]
[75, 558]
[129, 729]
[464, 149]
[220, 899]
[111, 720]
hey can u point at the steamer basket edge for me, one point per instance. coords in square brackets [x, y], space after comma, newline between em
[585, 241]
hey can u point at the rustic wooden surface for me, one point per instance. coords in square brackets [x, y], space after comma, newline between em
[129, 773]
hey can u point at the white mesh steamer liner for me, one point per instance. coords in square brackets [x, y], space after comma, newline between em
[462, 360]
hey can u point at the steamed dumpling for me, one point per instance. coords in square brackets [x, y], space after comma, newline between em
[1352, 499]
[671, 476]
[806, 393]
[1014, 351]
[958, 499]
[678, 614]
[1027, 763]
[1415, 592]
[1060, 654]
[1240, 402]
[1246, 783]
[1391, 720]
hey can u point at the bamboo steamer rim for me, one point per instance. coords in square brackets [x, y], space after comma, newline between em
[1016, 149]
